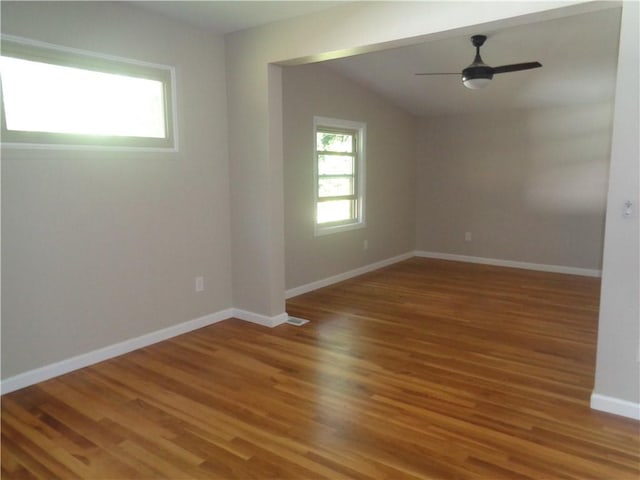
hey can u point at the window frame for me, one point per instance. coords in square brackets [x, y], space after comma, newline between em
[359, 182]
[27, 49]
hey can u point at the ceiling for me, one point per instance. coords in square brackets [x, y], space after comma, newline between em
[225, 17]
[578, 54]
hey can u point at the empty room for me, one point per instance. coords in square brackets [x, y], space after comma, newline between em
[320, 240]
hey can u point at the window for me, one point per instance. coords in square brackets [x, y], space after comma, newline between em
[339, 174]
[53, 96]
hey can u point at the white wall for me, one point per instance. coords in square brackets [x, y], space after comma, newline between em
[529, 185]
[101, 247]
[390, 176]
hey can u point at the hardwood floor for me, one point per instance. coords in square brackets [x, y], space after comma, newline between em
[425, 369]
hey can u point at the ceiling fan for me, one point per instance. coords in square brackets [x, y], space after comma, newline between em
[479, 74]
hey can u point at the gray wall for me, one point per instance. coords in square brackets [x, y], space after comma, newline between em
[390, 176]
[71, 283]
[618, 360]
[530, 185]
[255, 116]
[251, 116]
[101, 247]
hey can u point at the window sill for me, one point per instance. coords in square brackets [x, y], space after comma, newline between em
[89, 147]
[320, 231]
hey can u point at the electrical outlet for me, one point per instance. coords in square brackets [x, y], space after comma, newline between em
[467, 236]
[199, 284]
[365, 245]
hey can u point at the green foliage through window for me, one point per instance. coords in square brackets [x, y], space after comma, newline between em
[339, 179]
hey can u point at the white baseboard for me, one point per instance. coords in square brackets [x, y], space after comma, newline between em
[41, 374]
[615, 406]
[325, 282]
[260, 319]
[586, 272]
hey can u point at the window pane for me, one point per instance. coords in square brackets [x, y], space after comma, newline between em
[41, 97]
[334, 187]
[335, 210]
[335, 165]
[335, 142]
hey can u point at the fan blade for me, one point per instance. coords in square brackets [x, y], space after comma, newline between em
[457, 73]
[516, 67]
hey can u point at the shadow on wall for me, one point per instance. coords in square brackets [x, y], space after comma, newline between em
[569, 165]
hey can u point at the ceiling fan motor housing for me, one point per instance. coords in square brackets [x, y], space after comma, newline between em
[477, 75]
[477, 70]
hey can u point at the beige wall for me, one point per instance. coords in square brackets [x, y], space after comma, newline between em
[529, 185]
[390, 176]
[101, 247]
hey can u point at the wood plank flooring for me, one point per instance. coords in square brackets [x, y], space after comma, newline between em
[425, 369]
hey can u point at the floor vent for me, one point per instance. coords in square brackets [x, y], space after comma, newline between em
[298, 322]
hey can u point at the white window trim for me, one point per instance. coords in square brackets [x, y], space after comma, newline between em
[168, 71]
[361, 128]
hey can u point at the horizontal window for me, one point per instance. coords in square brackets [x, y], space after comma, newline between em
[55, 96]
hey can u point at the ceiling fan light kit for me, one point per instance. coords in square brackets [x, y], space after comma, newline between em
[476, 83]
[479, 74]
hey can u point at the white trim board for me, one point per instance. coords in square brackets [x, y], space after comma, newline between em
[325, 282]
[616, 406]
[260, 319]
[585, 272]
[46, 372]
